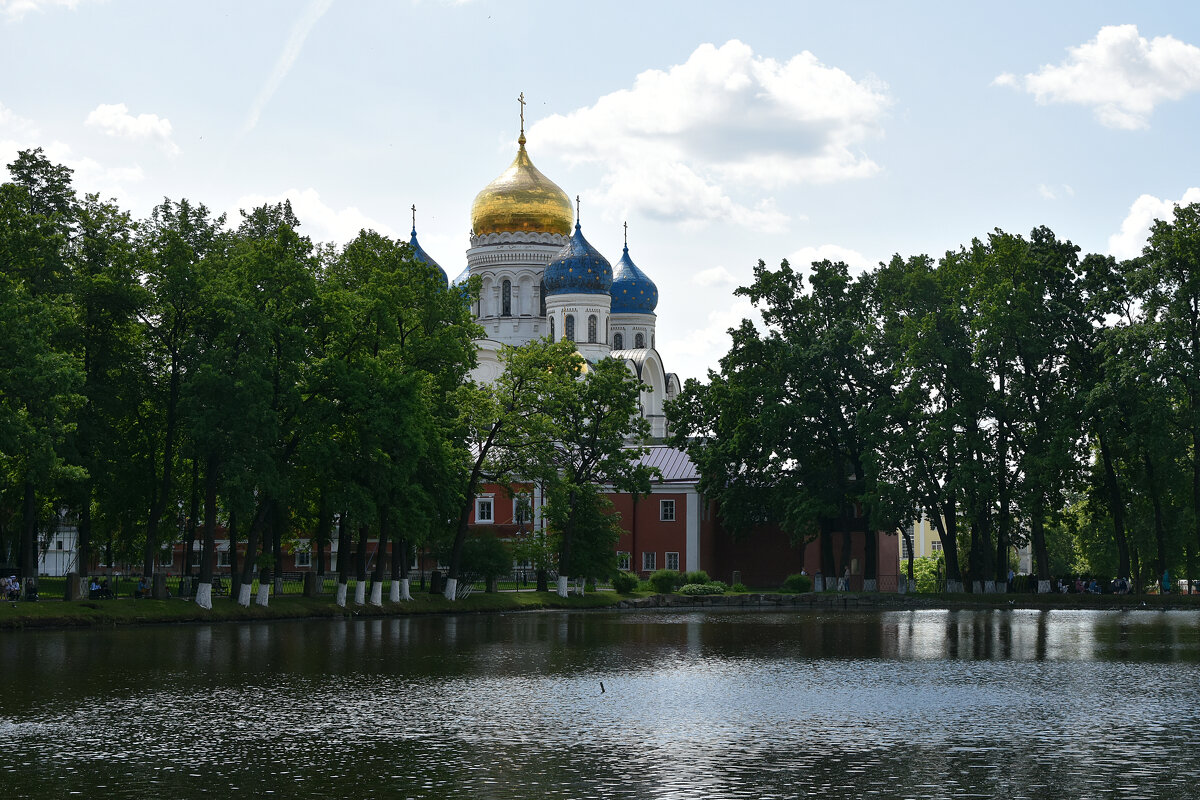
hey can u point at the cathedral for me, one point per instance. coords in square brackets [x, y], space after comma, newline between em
[540, 277]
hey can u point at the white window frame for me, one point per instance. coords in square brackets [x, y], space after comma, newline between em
[302, 557]
[490, 502]
[673, 561]
[666, 510]
[223, 558]
[935, 547]
[623, 560]
[649, 561]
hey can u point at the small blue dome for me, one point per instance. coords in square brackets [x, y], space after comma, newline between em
[420, 254]
[463, 277]
[632, 291]
[578, 269]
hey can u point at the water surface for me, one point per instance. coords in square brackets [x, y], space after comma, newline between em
[729, 703]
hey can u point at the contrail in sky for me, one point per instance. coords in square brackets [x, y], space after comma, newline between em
[291, 51]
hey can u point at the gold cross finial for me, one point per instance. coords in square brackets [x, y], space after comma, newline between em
[414, 210]
[576, 209]
[521, 100]
[626, 235]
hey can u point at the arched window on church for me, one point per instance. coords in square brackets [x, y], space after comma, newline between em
[569, 328]
[542, 295]
[506, 299]
[552, 329]
[639, 341]
[591, 329]
[618, 342]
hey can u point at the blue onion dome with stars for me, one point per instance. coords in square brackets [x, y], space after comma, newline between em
[578, 269]
[632, 291]
[419, 252]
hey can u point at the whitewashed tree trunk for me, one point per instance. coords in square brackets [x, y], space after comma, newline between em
[377, 594]
[394, 592]
[562, 585]
[244, 595]
[405, 590]
[580, 585]
[264, 594]
[360, 593]
[204, 595]
[451, 592]
[341, 595]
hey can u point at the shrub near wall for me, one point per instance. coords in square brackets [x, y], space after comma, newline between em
[624, 582]
[666, 580]
[798, 583]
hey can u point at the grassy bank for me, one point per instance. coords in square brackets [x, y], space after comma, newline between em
[100, 613]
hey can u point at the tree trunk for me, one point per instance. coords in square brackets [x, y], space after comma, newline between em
[947, 525]
[193, 515]
[83, 547]
[380, 559]
[252, 537]
[324, 526]
[360, 565]
[1160, 528]
[1037, 525]
[208, 550]
[1116, 506]
[235, 577]
[828, 568]
[29, 542]
[279, 519]
[343, 559]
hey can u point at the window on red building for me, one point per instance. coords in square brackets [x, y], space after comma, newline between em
[483, 511]
[622, 560]
[666, 510]
[648, 562]
[673, 561]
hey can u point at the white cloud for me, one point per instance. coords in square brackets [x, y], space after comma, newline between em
[1120, 74]
[698, 349]
[1135, 228]
[16, 9]
[318, 220]
[716, 276]
[115, 120]
[682, 143]
[1049, 192]
[805, 256]
[291, 51]
[18, 133]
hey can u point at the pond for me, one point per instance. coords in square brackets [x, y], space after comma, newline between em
[723, 703]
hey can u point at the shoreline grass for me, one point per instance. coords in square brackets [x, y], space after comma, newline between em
[123, 611]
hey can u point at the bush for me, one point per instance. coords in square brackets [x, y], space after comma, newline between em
[701, 588]
[645, 586]
[798, 583]
[739, 588]
[624, 582]
[666, 580]
[695, 576]
[720, 585]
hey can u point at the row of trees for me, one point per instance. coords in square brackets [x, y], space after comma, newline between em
[1011, 391]
[177, 372]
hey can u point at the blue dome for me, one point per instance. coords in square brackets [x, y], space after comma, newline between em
[632, 291]
[420, 254]
[578, 269]
[463, 277]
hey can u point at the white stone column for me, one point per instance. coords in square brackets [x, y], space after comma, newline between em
[692, 560]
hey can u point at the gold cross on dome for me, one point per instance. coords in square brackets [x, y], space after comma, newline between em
[414, 210]
[521, 100]
[626, 224]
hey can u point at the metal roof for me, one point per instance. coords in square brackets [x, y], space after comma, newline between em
[672, 462]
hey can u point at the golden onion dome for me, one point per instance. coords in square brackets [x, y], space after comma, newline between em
[522, 199]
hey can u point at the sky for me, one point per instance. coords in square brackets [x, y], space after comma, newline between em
[722, 133]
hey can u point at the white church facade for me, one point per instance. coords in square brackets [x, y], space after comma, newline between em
[540, 277]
